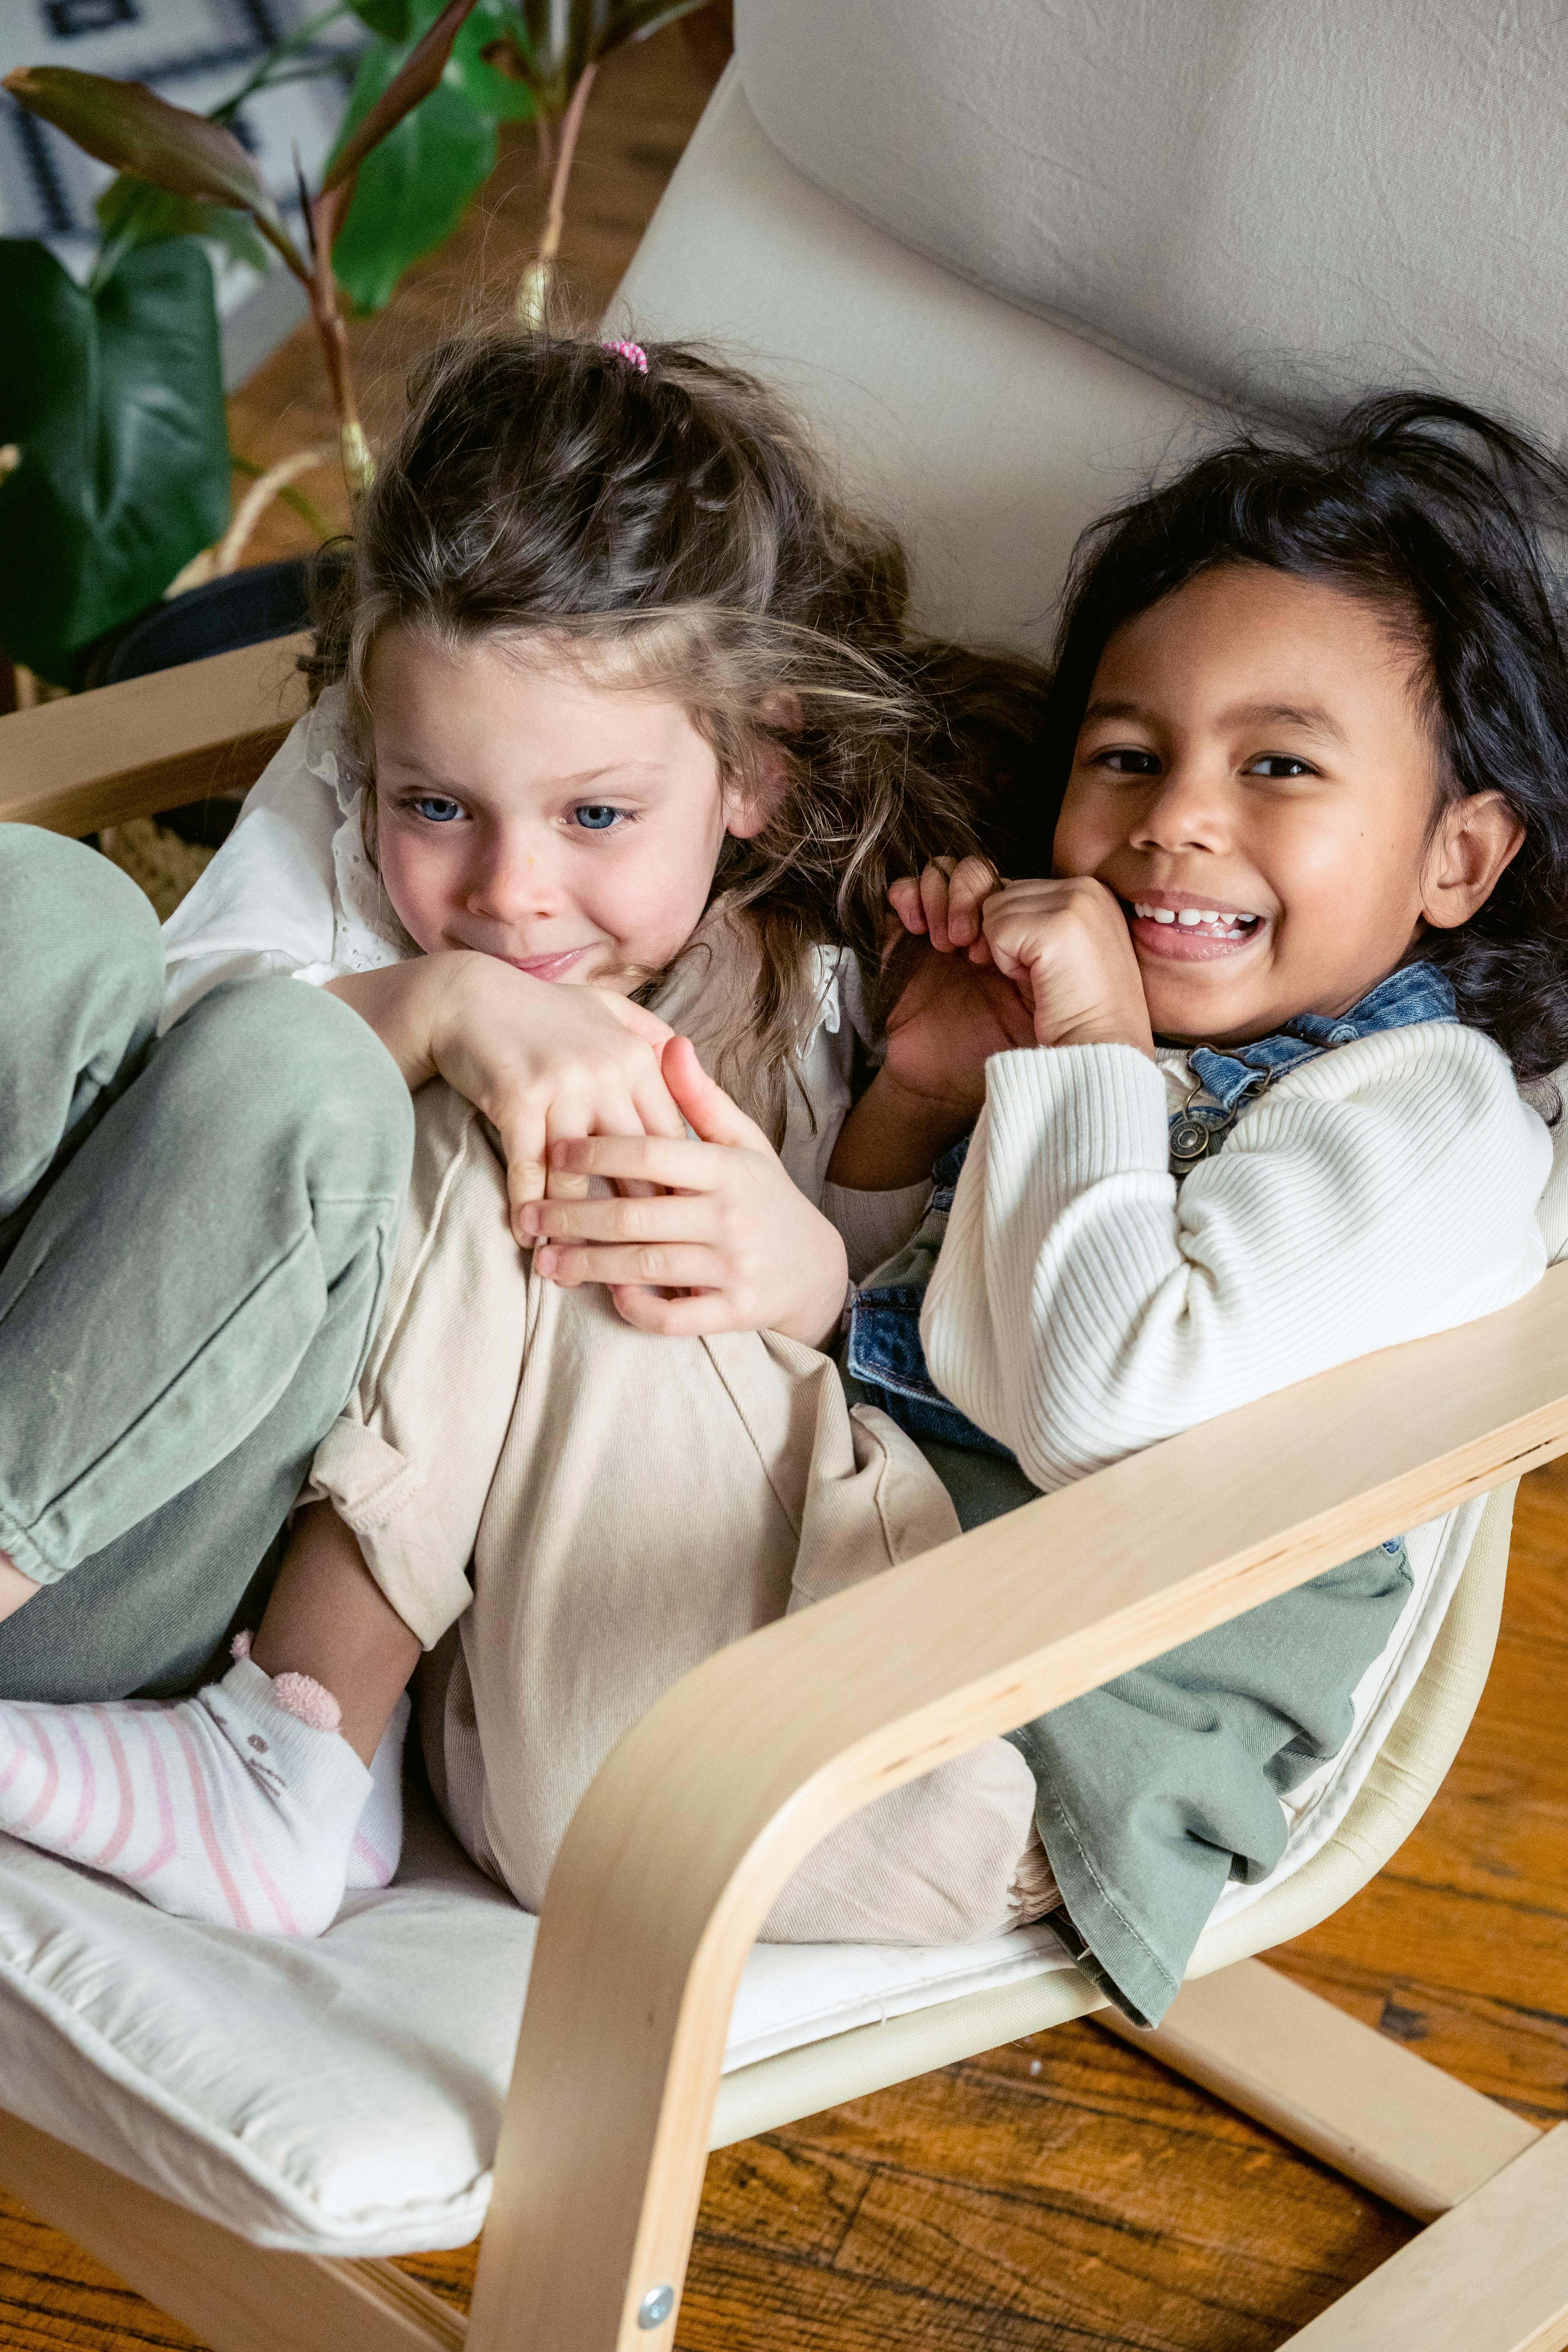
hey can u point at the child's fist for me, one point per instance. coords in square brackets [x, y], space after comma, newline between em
[1066, 947]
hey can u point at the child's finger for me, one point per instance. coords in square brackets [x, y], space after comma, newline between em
[636, 1018]
[933, 903]
[969, 885]
[904, 898]
[526, 1152]
[608, 1109]
[676, 1318]
[655, 1106]
[683, 1167]
[664, 1265]
[704, 1103]
[657, 1217]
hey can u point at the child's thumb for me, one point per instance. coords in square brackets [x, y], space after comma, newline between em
[703, 1104]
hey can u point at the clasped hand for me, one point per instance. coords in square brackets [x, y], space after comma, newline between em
[1007, 964]
[727, 1231]
[1062, 943]
[578, 1082]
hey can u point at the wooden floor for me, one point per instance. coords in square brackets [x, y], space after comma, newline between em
[1066, 2193]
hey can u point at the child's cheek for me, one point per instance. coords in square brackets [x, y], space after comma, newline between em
[412, 878]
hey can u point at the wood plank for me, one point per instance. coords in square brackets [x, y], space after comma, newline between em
[1507, 2049]
[235, 2297]
[1490, 2276]
[1103, 2134]
[706, 1806]
[208, 727]
[1063, 2191]
[1361, 2101]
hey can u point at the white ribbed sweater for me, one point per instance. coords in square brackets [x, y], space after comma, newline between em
[1082, 1307]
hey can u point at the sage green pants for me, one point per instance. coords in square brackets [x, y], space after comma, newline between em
[195, 1236]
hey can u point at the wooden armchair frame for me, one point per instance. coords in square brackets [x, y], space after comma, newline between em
[702, 1811]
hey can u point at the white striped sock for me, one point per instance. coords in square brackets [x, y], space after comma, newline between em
[378, 1840]
[225, 1807]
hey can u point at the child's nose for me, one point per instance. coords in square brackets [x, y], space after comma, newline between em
[513, 883]
[1188, 809]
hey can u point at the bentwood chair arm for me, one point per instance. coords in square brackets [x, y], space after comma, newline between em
[705, 1808]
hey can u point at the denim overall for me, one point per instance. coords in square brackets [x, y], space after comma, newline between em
[1156, 1788]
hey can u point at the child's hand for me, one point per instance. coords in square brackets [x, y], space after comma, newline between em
[542, 1061]
[954, 1009]
[1065, 946]
[945, 903]
[731, 1229]
[953, 1012]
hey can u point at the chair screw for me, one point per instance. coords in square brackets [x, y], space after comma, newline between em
[655, 2307]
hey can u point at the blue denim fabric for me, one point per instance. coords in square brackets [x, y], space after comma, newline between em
[884, 1353]
[1416, 992]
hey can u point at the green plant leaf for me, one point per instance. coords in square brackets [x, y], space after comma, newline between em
[114, 399]
[412, 190]
[388, 17]
[133, 212]
[128, 125]
[417, 76]
[500, 89]
[415, 185]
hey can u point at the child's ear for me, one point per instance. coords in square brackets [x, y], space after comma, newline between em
[1476, 838]
[750, 800]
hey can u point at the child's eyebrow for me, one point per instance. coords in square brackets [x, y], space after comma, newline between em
[1308, 715]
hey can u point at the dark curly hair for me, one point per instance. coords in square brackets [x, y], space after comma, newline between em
[1438, 514]
[673, 529]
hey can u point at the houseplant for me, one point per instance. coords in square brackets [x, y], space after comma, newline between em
[114, 461]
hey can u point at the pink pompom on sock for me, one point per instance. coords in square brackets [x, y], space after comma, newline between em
[300, 1695]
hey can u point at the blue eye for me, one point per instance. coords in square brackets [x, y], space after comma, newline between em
[597, 816]
[435, 809]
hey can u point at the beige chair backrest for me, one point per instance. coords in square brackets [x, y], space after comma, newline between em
[994, 251]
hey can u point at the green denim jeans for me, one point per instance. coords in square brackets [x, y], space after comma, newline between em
[195, 1236]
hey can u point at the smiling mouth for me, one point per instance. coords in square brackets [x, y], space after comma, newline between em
[547, 967]
[1190, 934]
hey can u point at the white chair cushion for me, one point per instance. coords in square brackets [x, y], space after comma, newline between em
[1264, 200]
[343, 2096]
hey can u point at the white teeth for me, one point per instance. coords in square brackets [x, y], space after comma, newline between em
[1227, 926]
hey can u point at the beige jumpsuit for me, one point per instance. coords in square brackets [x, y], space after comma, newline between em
[577, 1513]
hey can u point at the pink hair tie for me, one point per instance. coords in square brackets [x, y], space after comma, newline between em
[633, 354]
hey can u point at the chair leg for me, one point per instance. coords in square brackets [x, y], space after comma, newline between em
[1347, 2094]
[1490, 2276]
[236, 2297]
